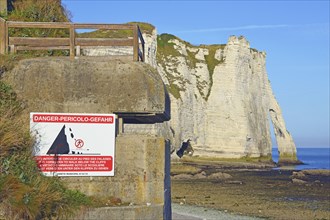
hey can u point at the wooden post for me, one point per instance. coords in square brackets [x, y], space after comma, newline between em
[72, 41]
[78, 50]
[3, 30]
[12, 49]
[135, 44]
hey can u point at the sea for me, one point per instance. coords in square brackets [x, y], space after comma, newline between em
[312, 157]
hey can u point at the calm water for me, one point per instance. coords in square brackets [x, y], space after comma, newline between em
[314, 158]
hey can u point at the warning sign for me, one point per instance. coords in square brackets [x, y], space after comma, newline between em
[74, 144]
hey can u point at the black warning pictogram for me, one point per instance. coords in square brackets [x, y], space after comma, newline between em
[60, 144]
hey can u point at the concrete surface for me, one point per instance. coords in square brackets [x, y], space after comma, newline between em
[187, 212]
[151, 212]
[133, 90]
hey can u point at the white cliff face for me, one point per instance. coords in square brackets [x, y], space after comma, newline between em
[286, 146]
[150, 41]
[237, 112]
[221, 98]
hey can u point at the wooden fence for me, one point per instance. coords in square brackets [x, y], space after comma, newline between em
[72, 43]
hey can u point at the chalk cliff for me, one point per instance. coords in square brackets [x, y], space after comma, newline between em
[221, 98]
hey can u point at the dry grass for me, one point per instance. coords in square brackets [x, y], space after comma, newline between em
[39, 10]
[24, 192]
[14, 135]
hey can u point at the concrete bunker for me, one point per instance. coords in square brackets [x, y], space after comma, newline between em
[132, 90]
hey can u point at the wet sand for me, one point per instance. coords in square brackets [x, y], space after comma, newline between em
[254, 191]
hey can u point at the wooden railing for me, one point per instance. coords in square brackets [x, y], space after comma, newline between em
[73, 42]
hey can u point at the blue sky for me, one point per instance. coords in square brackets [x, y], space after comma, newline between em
[294, 34]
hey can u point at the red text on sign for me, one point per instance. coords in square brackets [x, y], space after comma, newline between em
[54, 118]
[74, 163]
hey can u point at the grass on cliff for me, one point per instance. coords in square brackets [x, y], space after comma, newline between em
[174, 90]
[165, 48]
[212, 62]
[166, 52]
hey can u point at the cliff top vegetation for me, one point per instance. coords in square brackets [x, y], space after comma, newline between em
[167, 50]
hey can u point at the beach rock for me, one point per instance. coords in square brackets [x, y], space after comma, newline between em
[298, 181]
[220, 176]
[235, 182]
[316, 172]
[201, 175]
[182, 177]
[298, 175]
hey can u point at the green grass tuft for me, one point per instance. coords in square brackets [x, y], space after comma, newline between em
[212, 63]
[174, 90]
[166, 48]
[166, 51]
[144, 27]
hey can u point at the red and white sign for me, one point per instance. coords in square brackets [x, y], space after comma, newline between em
[74, 144]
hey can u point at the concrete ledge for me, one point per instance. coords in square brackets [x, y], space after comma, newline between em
[133, 90]
[142, 212]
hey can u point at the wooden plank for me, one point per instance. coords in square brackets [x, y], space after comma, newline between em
[43, 42]
[42, 48]
[2, 36]
[29, 43]
[104, 42]
[105, 26]
[136, 44]
[72, 41]
[18, 24]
